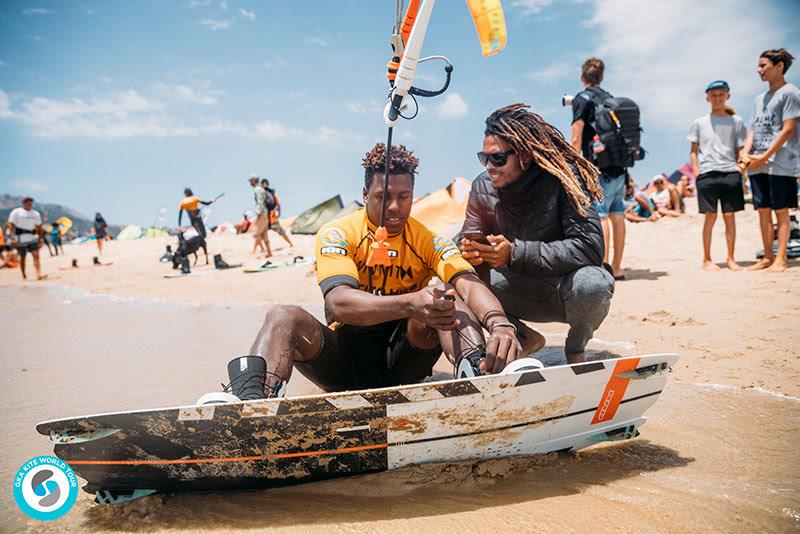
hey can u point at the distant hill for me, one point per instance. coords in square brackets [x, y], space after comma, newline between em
[50, 212]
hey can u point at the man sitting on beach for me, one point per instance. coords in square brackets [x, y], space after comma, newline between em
[538, 241]
[25, 224]
[665, 198]
[386, 325]
[638, 207]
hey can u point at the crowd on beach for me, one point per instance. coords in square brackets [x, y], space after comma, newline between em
[542, 241]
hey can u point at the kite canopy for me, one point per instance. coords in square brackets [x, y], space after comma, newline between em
[490, 24]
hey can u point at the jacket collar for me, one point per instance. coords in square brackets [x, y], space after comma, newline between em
[521, 191]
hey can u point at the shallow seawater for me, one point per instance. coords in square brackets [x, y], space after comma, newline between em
[709, 458]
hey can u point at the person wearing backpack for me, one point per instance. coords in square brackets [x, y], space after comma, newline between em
[273, 205]
[605, 130]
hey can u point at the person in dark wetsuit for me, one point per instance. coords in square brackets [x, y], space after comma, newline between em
[100, 231]
[191, 204]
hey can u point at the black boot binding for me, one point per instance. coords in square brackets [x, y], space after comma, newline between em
[467, 364]
[248, 377]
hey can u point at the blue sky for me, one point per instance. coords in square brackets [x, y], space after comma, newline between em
[117, 106]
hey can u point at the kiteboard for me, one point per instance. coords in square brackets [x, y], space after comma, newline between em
[270, 266]
[199, 273]
[277, 442]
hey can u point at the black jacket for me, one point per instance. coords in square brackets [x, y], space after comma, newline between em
[550, 237]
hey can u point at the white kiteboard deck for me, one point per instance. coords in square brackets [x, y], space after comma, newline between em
[276, 442]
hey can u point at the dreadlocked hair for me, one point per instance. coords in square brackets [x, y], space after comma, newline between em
[402, 162]
[528, 133]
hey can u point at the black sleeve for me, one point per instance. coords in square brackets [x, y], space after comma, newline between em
[475, 218]
[582, 244]
[582, 108]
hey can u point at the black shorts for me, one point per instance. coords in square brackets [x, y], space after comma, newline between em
[24, 248]
[774, 191]
[363, 357]
[724, 188]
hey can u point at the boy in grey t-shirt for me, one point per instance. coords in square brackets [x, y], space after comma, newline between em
[772, 155]
[717, 138]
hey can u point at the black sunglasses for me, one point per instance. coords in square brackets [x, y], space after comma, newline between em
[498, 159]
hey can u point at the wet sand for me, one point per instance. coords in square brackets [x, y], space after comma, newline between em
[714, 454]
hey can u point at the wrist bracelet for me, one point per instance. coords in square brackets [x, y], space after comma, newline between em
[495, 325]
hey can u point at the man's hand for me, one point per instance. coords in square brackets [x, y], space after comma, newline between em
[497, 253]
[757, 161]
[435, 308]
[502, 348]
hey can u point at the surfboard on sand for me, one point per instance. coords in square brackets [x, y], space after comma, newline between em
[201, 273]
[270, 266]
[276, 442]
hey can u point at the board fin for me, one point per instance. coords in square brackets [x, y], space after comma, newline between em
[617, 434]
[114, 497]
[81, 436]
[646, 372]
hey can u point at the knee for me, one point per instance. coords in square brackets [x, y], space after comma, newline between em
[282, 314]
[592, 286]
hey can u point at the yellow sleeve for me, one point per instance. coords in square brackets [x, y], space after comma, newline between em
[335, 252]
[443, 256]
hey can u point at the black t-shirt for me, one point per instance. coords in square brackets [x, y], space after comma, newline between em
[583, 109]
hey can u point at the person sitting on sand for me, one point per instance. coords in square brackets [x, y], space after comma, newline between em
[638, 207]
[191, 205]
[244, 225]
[538, 239]
[665, 198]
[25, 224]
[386, 325]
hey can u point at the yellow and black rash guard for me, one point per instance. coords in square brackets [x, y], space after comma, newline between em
[417, 254]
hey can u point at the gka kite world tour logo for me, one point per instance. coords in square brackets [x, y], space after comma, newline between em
[45, 488]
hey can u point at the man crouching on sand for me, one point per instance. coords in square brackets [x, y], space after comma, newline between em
[387, 326]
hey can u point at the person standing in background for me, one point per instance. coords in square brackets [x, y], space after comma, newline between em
[261, 224]
[772, 155]
[717, 140]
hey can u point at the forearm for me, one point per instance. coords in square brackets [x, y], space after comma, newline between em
[783, 136]
[693, 160]
[480, 299]
[748, 143]
[180, 217]
[359, 308]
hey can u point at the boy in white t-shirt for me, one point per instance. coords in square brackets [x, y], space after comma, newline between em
[25, 224]
[717, 140]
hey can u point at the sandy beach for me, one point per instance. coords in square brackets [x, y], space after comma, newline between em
[716, 454]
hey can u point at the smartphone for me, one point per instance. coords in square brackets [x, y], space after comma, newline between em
[477, 237]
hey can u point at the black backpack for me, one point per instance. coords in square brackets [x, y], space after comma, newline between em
[269, 200]
[616, 122]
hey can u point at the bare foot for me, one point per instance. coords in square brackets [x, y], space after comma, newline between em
[733, 266]
[763, 263]
[778, 266]
[42, 277]
[576, 358]
[709, 265]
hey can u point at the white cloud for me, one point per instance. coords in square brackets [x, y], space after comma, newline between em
[130, 114]
[199, 3]
[29, 186]
[275, 62]
[37, 38]
[319, 41]
[215, 24]
[531, 7]
[452, 107]
[665, 66]
[5, 106]
[223, 5]
[247, 14]
[187, 94]
[371, 106]
[90, 11]
[37, 11]
[553, 73]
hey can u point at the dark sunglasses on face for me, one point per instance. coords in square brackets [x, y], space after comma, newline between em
[498, 159]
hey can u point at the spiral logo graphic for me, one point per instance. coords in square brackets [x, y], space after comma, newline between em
[45, 488]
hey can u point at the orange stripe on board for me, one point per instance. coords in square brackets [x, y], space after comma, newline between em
[224, 460]
[615, 390]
